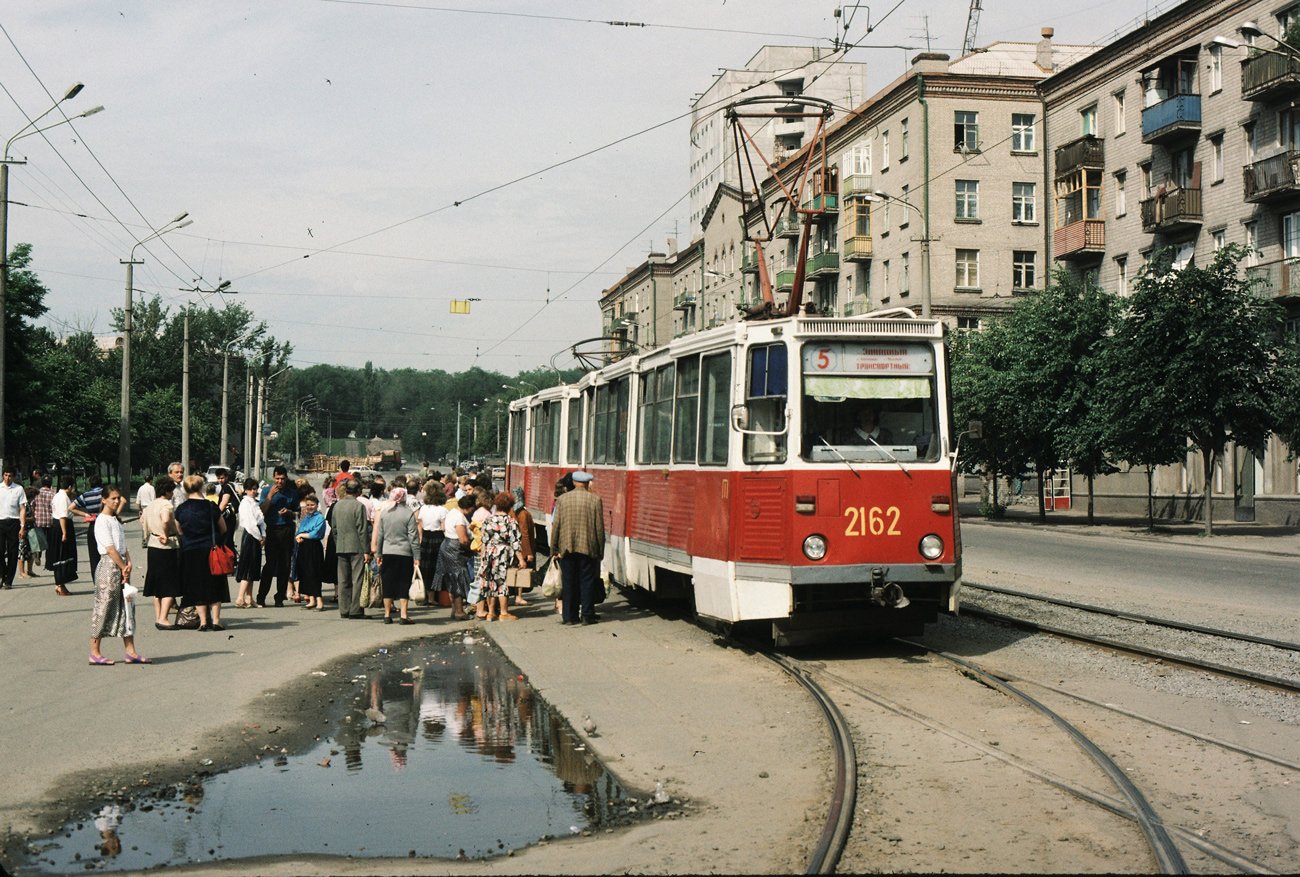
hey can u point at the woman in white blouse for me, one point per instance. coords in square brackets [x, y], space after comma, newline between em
[114, 615]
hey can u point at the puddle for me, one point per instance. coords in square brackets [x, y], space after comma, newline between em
[442, 749]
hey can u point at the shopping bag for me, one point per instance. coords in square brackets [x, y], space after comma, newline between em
[376, 586]
[552, 584]
[367, 582]
[417, 587]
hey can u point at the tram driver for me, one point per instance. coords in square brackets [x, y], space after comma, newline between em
[868, 430]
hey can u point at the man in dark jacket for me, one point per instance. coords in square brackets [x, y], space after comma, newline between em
[352, 544]
[578, 526]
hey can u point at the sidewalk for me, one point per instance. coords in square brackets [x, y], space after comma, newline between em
[1228, 535]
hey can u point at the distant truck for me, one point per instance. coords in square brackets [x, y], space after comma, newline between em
[389, 460]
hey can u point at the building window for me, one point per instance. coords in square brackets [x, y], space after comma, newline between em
[1252, 145]
[966, 131]
[884, 150]
[968, 324]
[1024, 202]
[885, 207]
[1146, 178]
[1291, 235]
[1216, 158]
[1121, 270]
[1078, 196]
[1121, 124]
[859, 160]
[1022, 132]
[968, 269]
[1252, 242]
[902, 140]
[1121, 195]
[1219, 239]
[1022, 269]
[1216, 68]
[968, 199]
[884, 279]
[903, 193]
[904, 274]
[1288, 129]
[1088, 121]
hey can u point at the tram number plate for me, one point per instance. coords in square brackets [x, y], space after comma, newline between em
[874, 521]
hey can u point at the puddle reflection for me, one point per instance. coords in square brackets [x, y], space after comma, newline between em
[443, 750]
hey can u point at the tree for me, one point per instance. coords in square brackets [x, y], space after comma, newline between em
[1209, 350]
[24, 345]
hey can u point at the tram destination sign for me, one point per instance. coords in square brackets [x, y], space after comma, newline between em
[856, 358]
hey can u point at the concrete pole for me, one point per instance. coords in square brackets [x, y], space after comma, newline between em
[185, 397]
[257, 428]
[225, 409]
[124, 420]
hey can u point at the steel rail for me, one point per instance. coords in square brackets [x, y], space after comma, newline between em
[844, 791]
[1112, 805]
[1289, 685]
[1144, 619]
[1162, 845]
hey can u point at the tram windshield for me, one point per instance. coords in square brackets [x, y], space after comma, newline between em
[869, 402]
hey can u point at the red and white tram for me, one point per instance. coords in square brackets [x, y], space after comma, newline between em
[797, 471]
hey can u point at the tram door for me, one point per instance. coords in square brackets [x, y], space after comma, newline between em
[1056, 489]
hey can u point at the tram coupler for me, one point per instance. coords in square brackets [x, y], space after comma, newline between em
[887, 594]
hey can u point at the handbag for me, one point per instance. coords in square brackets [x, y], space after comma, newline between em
[520, 578]
[221, 560]
[376, 586]
[187, 618]
[552, 583]
[367, 583]
[443, 597]
[417, 587]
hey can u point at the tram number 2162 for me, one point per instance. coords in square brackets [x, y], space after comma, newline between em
[873, 521]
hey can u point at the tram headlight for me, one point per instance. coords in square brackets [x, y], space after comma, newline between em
[931, 547]
[814, 547]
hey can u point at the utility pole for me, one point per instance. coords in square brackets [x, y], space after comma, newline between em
[185, 397]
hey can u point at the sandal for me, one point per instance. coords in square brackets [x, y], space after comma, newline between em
[137, 659]
[101, 661]
[506, 616]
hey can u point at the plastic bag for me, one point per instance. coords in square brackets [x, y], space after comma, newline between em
[417, 586]
[552, 584]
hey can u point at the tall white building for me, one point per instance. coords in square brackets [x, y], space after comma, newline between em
[782, 70]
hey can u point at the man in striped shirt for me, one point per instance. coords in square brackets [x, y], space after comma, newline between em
[87, 506]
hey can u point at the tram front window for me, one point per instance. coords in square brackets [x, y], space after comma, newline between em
[869, 402]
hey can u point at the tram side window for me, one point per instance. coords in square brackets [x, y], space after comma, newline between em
[655, 420]
[543, 443]
[574, 449]
[516, 438]
[553, 440]
[687, 414]
[609, 424]
[715, 408]
[765, 404]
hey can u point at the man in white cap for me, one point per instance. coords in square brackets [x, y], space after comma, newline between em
[579, 541]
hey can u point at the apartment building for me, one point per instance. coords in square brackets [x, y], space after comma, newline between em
[773, 71]
[1184, 134]
[933, 193]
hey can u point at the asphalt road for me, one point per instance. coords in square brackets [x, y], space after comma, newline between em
[1174, 578]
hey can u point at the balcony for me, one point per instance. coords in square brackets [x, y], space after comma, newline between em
[857, 249]
[790, 225]
[1274, 177]
[1267, 76]
[856, 186]
[827, 202]
[1172, 118]
[1274, 279]
[1086, 152]
[683, 301]
[749, 259]
[1174, 210]
[785, 280]
[826, 262]
[1085, 239]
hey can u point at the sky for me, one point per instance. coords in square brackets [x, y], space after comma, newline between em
[352, 166]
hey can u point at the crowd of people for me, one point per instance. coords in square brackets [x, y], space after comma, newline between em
[442, 540]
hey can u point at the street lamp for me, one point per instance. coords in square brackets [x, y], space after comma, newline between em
[124, 422]
[225, 393]
[5, 161]
[1250, 30]
[925, 245]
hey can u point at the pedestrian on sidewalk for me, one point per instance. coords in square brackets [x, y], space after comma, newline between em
[524, 520]
[396, 543]
[114, 613]
[13, 525]
[452, 574]
[501, 552]
[311, 553]
[351, 545]
[253, 523]
[201, 528]
[63, 538]
[279, 505]
[162, 579]
[432, 515]
[579, 543]
[87, 506]
[38, 524]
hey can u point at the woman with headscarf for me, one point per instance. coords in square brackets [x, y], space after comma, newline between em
[500, 553]
[524, 520]
[395, 543]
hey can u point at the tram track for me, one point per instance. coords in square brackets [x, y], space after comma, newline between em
[1111, 643]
